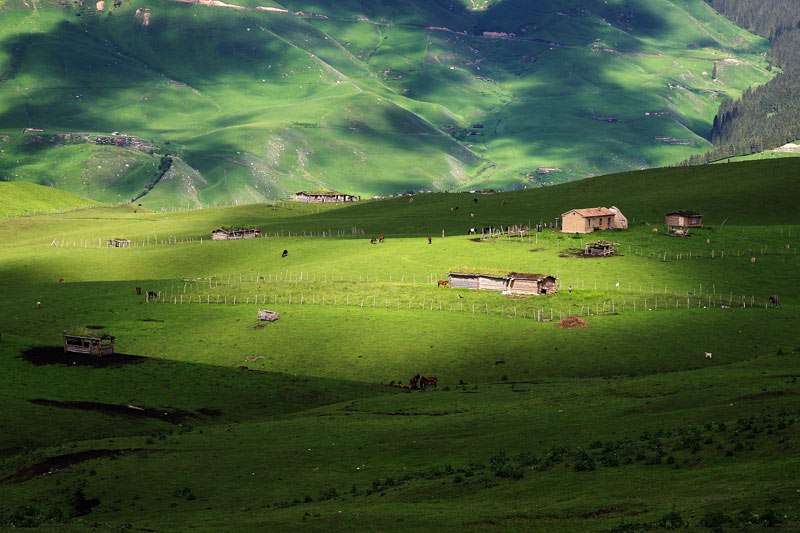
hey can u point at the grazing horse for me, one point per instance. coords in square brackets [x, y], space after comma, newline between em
[138, 290]
[427, 382]
[380, 239]
[285, 253]
[414, 383]
[773, 301]
[38, 305]
[152, 294]
[372, 240]
[442, 283]
[62, 280]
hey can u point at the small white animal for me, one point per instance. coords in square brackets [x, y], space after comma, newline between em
[708, 355]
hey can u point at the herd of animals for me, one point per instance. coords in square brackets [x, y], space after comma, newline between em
[416, 383]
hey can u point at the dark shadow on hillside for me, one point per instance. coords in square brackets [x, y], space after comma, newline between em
[55, 355]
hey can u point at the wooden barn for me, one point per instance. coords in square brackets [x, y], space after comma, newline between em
[684, 219]
[320, 197]
[514, 282]
[235, 232]
[89, 345]
[480, 282]
[118, 243]
[600, 248]
[593, 218]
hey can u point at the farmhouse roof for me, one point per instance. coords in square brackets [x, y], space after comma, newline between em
[684, 214]
[522, 275]
[593, 212]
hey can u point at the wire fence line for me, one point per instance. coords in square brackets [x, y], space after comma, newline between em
[536, 312]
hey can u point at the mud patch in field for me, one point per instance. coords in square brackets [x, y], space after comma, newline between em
[59, 462]
[55, 355]
[176, 416]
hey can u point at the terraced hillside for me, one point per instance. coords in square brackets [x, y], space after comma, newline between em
[257, 99]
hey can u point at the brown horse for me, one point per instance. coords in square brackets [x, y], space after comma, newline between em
[442, 283]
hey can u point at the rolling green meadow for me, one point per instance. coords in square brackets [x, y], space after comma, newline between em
[256, 100]
[213, 421]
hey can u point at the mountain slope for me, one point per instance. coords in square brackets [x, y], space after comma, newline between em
[264, 98]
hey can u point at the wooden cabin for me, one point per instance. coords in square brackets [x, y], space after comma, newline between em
[322, 197]
[227, 234]
[98, 346]
[684, 219]
[600, 248]
[118, 243]
[519, 283]
[514, 282]
[593, 218]
[269, 316]
[480, 282]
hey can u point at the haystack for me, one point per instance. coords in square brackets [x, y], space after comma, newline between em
[572, 322]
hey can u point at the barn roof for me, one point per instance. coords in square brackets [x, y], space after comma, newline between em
[592, 212]
[684, 214]
[535, 277]
[509, 275]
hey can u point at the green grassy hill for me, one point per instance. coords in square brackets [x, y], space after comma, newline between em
[365, 97]
[20, 198]
[219, 422]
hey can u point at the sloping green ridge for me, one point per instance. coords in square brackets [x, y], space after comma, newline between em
[363, 97]
[21, 198]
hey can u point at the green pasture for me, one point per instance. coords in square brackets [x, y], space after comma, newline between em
[364, 97]
[230, 424]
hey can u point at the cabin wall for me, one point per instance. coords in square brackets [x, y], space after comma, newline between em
[524, 286]
[574, 223]
[492, 284]
[458, 282]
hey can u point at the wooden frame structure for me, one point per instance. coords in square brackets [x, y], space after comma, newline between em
[98, 346]
[323, 197]
[118, 243]
[683, 219]
[600, 248]
[227, 234]
[513, 282]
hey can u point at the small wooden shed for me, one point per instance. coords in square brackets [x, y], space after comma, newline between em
[514, 282]
[118, 243]
[521, 283]
[600, 248]
[235, 232]
[319, 197]
[684, 219]
[98, 346]
[269, 316]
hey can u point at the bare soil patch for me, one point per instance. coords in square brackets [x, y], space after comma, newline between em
[536, 250]
[578, 252]
[572, 322]
[55, 355]
[176, 416]
[260, 326]
[59, 462]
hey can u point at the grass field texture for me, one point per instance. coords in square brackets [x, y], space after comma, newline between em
[365, 97]
[216, 422]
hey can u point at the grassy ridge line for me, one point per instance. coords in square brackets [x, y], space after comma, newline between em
[22, 198]
[263, 103]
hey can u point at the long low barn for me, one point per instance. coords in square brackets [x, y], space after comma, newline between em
[226, 234]
[514, 282]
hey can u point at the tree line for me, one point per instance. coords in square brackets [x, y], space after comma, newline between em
[768, 116]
